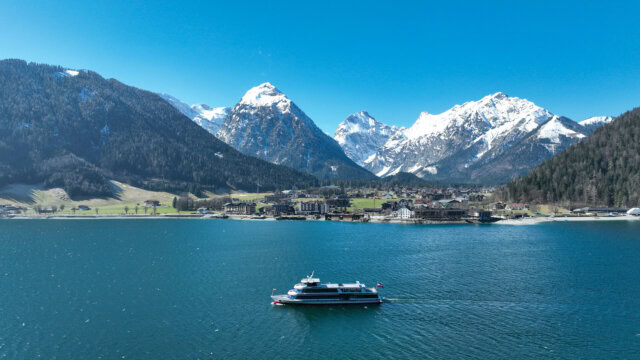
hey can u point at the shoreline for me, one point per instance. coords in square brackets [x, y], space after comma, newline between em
[540, 220]
[375, 220]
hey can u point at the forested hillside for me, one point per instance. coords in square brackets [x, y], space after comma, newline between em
[76, 130]
[602, 170]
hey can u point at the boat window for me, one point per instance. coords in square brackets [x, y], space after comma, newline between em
[325, 296]
[319, 290]
[351, 290]
[365, 296]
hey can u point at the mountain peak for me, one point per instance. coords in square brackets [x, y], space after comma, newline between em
[269, 126]
[264, 94]
[360, 135]
[499, 95]
[596, 120]
[359, 117]
[496, 111]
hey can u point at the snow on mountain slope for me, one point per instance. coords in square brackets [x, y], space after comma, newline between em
[490, 140]
[487, 126]
[595, 122]
[268, 125]
[211, 119]
[266, 95]
[360, 136]
[180, 106]
[551, 138]
[554, 129]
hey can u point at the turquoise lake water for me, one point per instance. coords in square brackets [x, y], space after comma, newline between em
[188, 289]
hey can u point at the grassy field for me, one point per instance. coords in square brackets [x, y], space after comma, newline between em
[361, 203]
[30, 196]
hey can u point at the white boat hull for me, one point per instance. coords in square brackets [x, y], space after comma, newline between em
[286, 299]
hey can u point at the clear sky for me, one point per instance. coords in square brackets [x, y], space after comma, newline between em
[392, 58]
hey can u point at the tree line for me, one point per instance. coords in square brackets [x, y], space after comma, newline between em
[603, 170]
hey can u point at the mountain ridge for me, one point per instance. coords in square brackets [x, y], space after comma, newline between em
[455, 144]
[75, 129]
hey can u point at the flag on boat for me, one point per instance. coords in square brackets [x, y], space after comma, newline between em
[380, 285]
[273, 290]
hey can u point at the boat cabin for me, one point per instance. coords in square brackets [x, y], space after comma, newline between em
[310, 281]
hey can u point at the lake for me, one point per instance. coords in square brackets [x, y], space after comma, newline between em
[194, 288]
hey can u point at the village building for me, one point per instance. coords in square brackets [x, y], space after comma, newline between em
[476, 197]
[241, 208]
[451, 203]
[338, 202]
[516, 206]
[276, 198]
[313, 207]
[372, 211]
[403, 213]
[423, 212]
[282, 209]
[498, 206]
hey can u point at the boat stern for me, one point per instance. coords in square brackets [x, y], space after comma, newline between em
[279, 299]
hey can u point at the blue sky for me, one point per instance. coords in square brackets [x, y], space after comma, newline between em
[394, 59]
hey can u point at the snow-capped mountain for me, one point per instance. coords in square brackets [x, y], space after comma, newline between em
[268, 125]
[209, 118]
[483, 128]
[549, 139]
[473, 141]
[595, 122]
[360, 136]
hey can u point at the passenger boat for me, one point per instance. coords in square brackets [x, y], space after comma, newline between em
[310, 291]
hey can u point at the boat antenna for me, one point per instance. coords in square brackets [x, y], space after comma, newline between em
[311, 276]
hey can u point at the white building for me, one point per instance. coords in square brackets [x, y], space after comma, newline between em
[403, 213]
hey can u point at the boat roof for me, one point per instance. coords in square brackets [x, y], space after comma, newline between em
[332, 285]
[310, 280]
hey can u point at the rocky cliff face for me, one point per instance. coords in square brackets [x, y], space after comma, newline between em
[210, 119]
[268, 125]
[360, 136]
